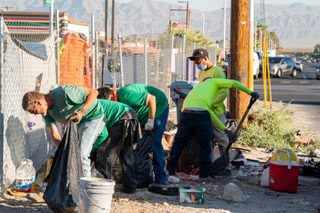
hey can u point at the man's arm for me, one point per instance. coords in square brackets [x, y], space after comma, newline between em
[92, 95]
[151, 102]
[55, 135]
[216, 120]
[222, 95]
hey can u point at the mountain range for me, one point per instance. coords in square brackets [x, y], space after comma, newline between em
[297, 25]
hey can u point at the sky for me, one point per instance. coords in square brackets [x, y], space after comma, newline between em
[209, 5]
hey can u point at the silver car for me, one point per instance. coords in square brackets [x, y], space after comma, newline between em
[280, 65]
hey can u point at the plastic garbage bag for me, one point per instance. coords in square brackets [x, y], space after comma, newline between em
[63, 191]
[142, 160]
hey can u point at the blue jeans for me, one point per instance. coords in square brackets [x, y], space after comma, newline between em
[158, 152]
[87, 134]
[198, 125]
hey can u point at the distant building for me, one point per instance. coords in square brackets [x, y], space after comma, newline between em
[25, 23]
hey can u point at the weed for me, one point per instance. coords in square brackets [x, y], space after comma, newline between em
[270, 129]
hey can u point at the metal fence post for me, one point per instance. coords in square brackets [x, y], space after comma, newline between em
[93, 40]
[96, 57]
[145, 61]
[184, 57]
[120, 57]
[1, 99]
[57, 46]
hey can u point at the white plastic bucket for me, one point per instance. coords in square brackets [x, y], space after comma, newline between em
[95, 195]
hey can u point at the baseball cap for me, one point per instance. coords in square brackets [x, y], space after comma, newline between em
[199, 53]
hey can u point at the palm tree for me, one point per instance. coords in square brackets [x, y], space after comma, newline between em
[193, 36]
[261, 29]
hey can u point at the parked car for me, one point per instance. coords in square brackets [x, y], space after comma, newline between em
[256, 63]
[318, 72]
[299, 66]
[281, 65]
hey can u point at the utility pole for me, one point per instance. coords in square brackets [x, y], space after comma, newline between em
[239, 55]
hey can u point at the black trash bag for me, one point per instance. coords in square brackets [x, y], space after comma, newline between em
[113, 159]
[189, 159]
[63, 191]
[143, 161]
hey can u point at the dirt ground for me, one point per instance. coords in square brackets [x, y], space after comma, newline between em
[258, 199]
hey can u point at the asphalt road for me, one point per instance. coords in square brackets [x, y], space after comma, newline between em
[302, 89]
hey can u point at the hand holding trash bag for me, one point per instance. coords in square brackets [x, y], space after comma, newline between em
[149, 125]
[77, 116]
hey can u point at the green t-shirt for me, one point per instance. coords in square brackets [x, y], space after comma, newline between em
[218, 106]
[135, 95]
[204, 94]
[112, 112]
[66, 101]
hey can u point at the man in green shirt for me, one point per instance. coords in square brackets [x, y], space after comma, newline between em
[121, 132]
[200, 57]
[151, 106]
[70, 102]
[196, 121]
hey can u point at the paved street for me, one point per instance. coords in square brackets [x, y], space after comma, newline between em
[302, 89]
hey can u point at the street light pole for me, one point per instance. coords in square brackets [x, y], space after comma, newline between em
[203, 24]
[187, 13]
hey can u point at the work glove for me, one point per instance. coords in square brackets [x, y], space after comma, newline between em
[149, 124]
[77, 116]
[231, 135]
[255, 95]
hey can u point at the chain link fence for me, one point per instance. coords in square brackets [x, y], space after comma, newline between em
[27, 63]
[157, 60]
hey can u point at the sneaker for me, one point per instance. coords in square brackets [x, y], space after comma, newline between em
[173, 179]
[128, 191]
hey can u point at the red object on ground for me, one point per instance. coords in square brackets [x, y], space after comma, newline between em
[283, 179]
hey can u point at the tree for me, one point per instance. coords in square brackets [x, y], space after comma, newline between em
[260, 30]
[317, 49]
[192, 35]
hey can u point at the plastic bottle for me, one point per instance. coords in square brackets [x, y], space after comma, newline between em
[25, 176]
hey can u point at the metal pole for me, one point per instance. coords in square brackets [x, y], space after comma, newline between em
[122, 23]
[224, 29]
[58, 45]
[93, 40]
[1, 50]
[250, 49]
[184, 57]
[188, 15]
[1, 91]
[96, 57]
[51, 17]
[145, 61]
[113, 22]
[106, 25]
[121, 62]
[203, 24]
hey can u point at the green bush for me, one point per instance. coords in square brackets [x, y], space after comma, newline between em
[270, 129]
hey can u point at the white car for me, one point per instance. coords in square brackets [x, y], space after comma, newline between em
[256, 63]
